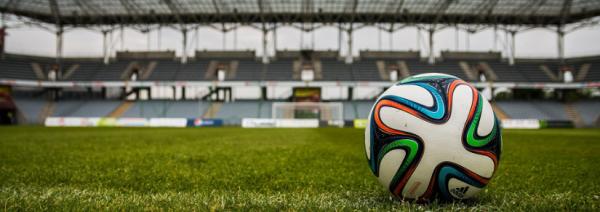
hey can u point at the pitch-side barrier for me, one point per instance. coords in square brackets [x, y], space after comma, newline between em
[130, 122]
[261, 123]
[506, 123]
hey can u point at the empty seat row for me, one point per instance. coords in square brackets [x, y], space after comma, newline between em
[251, 69]
[543, 110]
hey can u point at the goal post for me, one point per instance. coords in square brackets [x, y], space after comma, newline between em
[326, 112]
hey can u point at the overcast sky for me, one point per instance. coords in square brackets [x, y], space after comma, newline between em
[85, 43]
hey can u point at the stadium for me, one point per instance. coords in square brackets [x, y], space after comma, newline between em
[280, 128]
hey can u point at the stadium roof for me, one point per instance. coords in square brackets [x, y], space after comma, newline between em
[101, 12]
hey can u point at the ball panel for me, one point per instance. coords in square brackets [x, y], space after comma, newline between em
[473, 140]
[418, 94]
[402, 120]
[462, 100]
[486, 120]
[412, 157]
[419, 181]
[389, 166]
[435, 113]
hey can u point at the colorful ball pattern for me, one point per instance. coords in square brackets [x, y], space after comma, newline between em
[433, 136]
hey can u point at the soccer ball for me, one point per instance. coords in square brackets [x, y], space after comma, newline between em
[433, 135]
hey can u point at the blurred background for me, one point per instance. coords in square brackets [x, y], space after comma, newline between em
[281, 63]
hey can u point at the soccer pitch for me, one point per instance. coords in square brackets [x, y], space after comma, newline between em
[267, 169]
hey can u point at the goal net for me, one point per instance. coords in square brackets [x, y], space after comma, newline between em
[327, 112]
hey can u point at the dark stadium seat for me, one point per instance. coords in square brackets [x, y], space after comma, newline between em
[249, 70]
[417, 66]
[532, 71]
[86, 71]
[336, 70]
[594, 72]
[505, 72]
[535, 109]
[365, 70]
[165, 70]
[166, 108]
[13, 68]
[193, 71]
[112, 71]
[279, 70]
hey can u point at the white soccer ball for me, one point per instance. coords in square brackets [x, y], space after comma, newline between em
[433, 135]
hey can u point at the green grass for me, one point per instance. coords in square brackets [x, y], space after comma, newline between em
[267, 169]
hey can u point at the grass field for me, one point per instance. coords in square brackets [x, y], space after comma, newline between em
[267, 169]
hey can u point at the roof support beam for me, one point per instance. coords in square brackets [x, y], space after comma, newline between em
[59, 44]
[511, 56]
[339, 45]
[431, 58]
[265, 54]
[349, 58]
[105, 46]
[561, 44]
[184, 50]
[275, 38]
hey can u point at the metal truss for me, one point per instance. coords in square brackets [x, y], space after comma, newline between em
[472, 16]
[83, 13]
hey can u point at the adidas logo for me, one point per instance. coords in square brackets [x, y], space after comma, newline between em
[460, 191]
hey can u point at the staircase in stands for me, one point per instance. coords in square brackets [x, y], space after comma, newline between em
[573, 115]
[118, 112]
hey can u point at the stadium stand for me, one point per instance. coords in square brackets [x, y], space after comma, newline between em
[505, 72]
[336, 70]
[534, 71]
[589, 112]
[30, 108]
[86, 70]
[164, 70]
[543, 110]
[451, 67]
[17, 68]
[85, 108]
[357, 109]
[265, 109]
[365, 70]
[373, 66]
[233, 112]
[249, 70]
[282, 69]
[591, 73]
[194, 70]
[594, 74]
[166, 108]
[112, 72]
[285, 67]
[363, 108]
